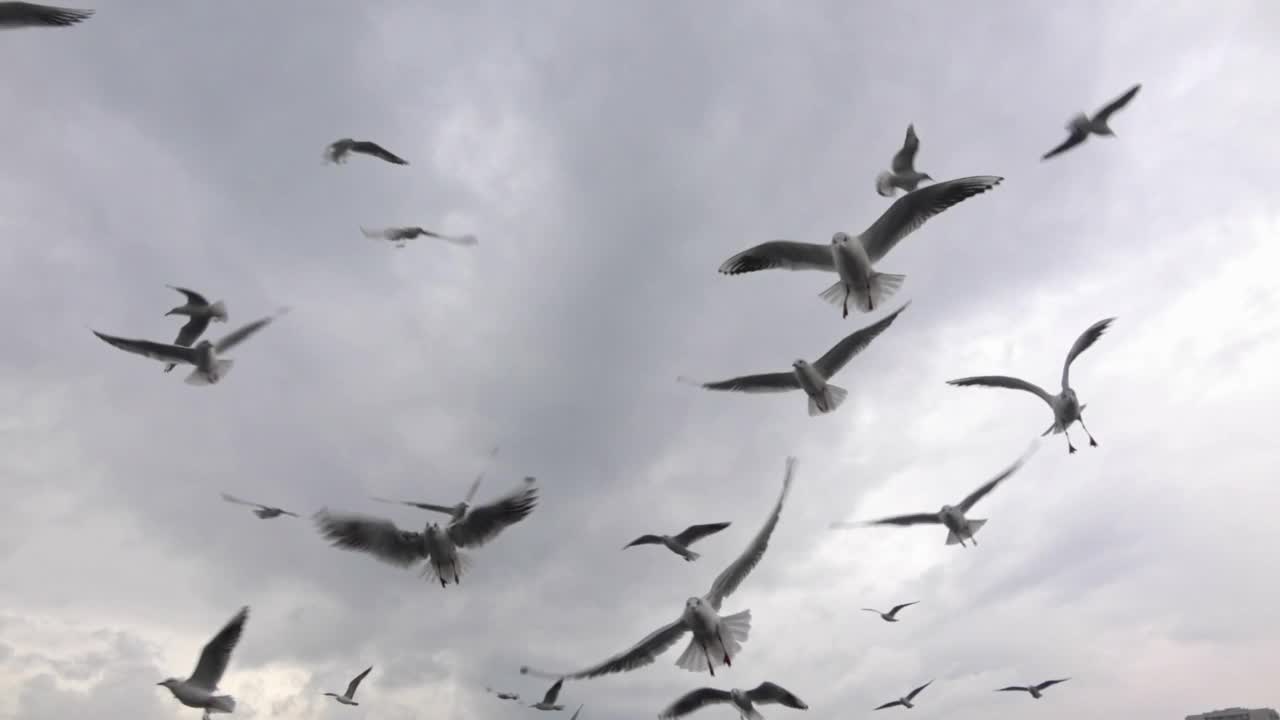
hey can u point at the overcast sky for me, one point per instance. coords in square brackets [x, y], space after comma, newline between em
[609, 156]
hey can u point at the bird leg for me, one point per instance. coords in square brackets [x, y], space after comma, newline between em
[707, 654]
[1092, 442]
[727, 660]
[1070, 448]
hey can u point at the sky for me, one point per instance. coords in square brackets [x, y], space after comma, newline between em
[609, 156]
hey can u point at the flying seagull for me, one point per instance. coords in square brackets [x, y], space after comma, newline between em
[348, 698]
[853, 257]
[892, 615]
[903, 171]
[502, 695]
[201, 311]
[401, 235]
[716, 639]
[337, 151]
[1066, 407]
[679, 544]
[1035, 690]
[455, 512]
[199, 690]
[25, 14]
[959, 526]
[438, 546]
[209, 368]
[906, 701]
[812, 378]
[548, 701]
[1081, 126]
[744, 700]
[266, 512]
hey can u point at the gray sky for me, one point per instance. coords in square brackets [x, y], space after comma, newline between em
[610, 156]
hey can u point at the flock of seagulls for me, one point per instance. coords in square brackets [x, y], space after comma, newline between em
[714, 639]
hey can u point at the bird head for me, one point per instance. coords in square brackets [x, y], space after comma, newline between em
[926, 176]
[169, 683]
[840, 238]
[946, 510]
[204, 345]
[693, 603]
[800, 364]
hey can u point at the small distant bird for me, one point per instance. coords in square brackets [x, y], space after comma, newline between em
[199, 690]
[906, 701]
[266, 512]
[892, 615]
[380, 537]
[679, 544]
[348, 698]
[200, 311]
[853, 258]
[1066, 407]
[903, 172]
[744, 700]
[1035, 690]
[401, 235]
[1081, 126]
[953, 518]
[502, 695]
[337, 151]
[25, 14]
[548, 701]
[812, 378]
[209, 368]
[455, 512]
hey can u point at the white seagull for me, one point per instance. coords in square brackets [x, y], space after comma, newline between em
[853, 258]
[812, 378]
[338, 150]
[906, 701]
[438, 546]
[679, 544]
[1035, 690]
[503, 695]
[548, 701]
[348, 698]
[401, 235]
[744, 700]
[26, 14]
[902, 172]
[959, 527]
[716, 639]
[201, 312]
[1066, 408]
[1081, 126]
[455, 512]
[892, 615]
[200, 690]
[266, 512]
[209, 368]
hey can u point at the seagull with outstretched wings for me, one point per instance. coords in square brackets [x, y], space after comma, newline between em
[902, 173]
[400, 236]
[892, 615]
[348, 698]
[679, 544]
[1081, 126]
[743, 700]
[201, 689]
[906, 700]
[266, 512]
[1034, 690]
[201, 312]
[338, 151]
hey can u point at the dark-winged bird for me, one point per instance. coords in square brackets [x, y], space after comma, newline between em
[679, 544]
[1081, 126]
[339, 149]
[201, 312]
[902, 173]
[26, 14]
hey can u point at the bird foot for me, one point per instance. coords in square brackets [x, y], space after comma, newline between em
[1093, 443]
[1071, 449]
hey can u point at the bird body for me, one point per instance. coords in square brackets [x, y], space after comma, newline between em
[1081, 126]
[548, 701]
[903, 173]
[348, 698]
[200, 690]
[15, 15]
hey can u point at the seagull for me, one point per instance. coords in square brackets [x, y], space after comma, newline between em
[1081, 126]
[1066, 408]
[198, 690]
[953, 518]
[679, 544]
[743, 700]
[200, 311]
[209, 368]
[503, 695]
[25, 14]
[348, 698]
[906, 701]
[853, 257]
[439, 546]
[903, 172]
[266, 512]
[716, 639]
[892, 615]
[455, 512]
[812, 378]
[337, 151]
[548, 701]
[1035, 690]
[401, 235]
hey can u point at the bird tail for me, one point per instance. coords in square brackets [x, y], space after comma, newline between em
[882, 287]
[451, 573]
[222, 703]
[831, 398]
[884, 184]
[973, 527]
[734, 630]
[218, 311]
[220, 369]
[690, 555]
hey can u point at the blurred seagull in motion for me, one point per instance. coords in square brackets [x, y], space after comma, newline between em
[401, 235]
[892, 615]
[455, 512]
[338, 151]
[812, 378]
[265, 512]
[503, 695]
[853, 257]
[548, 701]
[744, 700]
[1066, 407]
[1081, 126]
[348, 698]
[716, 639]
[902, 172]
[679, 544]
[199, 690]
[906, 701]
[25, 14]
[1034, 690]
[201, 312]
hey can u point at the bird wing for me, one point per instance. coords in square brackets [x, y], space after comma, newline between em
[382, 234]
[574, 716]
[1082, 343]
[154, 350]
[763, 383]
[1050, 683]
[238, 501]
[235, 337]
[644, 540]
[193, 297]
[377, 536]
[467, 239]
[694, 533]
[644, 653]
[217, 652]
[372, 148]
[1014, 688]
[767, 692]
[475, 486]
[972, 499]
[355, 682]
[896, 608]
[780, 255]
[693, 701]
[915, 519]
[889, 704]
[904, 160]
[1076, 137]
[25, 14]
[910, 211]
[552, 693]
[420, 505]
[912, 695]
[1004, 381]
[483, 522]
[857, 341]
[873, 610]
[191, 331]
[732, 576]
[1105, 113]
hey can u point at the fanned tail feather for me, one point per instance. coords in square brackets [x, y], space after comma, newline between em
[832, 397]
[881, 288]
[222, 703]
[449, 574]
[884, 184]
[221, 368]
